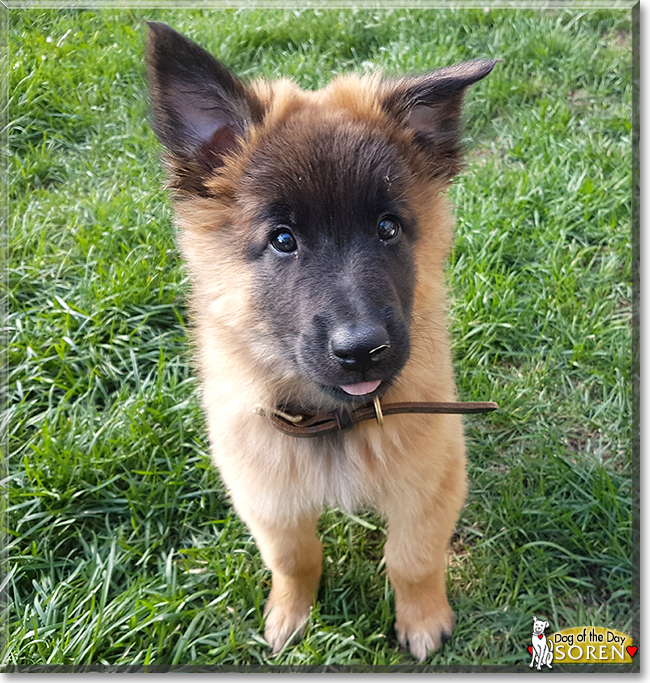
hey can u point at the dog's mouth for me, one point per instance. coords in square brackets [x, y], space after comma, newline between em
[361, 388]
[360, 392]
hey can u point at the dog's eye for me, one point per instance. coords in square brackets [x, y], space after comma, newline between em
[283, 241]
[388, 228]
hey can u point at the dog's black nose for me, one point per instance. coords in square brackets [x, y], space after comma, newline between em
[359, 346]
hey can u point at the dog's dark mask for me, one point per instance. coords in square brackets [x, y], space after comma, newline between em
[331, 236]
[332, 246]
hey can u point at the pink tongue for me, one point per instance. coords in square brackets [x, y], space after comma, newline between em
[361, 388]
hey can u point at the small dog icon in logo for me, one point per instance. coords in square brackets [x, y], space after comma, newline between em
[541, 648]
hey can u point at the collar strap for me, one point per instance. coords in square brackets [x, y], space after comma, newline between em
[309, 425]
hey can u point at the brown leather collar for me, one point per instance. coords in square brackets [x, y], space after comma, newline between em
[309, 425]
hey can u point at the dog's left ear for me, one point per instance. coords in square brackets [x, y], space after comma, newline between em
[202, 111]
[430, 105]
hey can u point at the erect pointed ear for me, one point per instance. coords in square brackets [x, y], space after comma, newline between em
[201, 110]
[430, 105]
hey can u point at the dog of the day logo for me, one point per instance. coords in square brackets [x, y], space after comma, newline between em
[579, 645]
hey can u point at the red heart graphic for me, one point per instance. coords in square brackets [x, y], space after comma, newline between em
[631, 650]
[530, 649]
[540, 636]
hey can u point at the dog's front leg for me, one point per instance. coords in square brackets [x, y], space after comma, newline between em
[415, 552]
[293, 553]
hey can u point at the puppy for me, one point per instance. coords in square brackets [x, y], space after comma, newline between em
[315, 227]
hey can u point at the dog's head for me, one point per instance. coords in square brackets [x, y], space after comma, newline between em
[539, 626]
[320, 197]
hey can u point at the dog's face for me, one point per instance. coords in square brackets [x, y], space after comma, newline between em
[317, 191]
[539, 626]
[332, 245]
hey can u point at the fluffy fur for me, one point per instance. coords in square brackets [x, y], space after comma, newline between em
[242, 159]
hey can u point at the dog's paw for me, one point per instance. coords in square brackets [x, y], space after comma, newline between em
[425, 635]
[285, 621]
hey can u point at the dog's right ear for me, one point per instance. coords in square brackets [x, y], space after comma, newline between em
[430, 106]
[201, 110]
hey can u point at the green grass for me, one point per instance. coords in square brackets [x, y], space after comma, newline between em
[122, 547]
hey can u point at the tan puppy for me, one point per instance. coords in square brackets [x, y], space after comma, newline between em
[315, 227]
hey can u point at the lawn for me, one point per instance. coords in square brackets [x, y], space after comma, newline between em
[121, 545]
